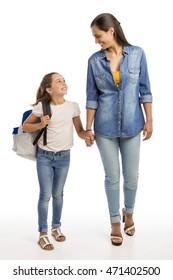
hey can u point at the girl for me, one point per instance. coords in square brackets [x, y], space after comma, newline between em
[53, 159]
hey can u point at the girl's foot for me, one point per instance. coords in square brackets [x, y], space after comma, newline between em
[44, 242]
[56, 232]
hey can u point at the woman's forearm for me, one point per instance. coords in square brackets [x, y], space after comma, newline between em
[148, 111]
[90, 113]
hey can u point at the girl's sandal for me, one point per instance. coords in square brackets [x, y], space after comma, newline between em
[45, 243]
[57, 234]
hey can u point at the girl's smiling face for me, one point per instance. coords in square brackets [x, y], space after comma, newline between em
[58, 86]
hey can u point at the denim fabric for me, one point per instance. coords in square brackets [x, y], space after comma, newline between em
[118, 109]
[109, 150]
[52, 170]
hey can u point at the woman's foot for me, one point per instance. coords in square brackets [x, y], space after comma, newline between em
[129, 227]
[116, 236]
[44, 242]
[56, 232]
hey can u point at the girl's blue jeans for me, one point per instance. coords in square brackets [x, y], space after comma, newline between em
[52, 170]
[110, 151]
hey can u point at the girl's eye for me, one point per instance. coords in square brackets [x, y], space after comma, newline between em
[60, 81]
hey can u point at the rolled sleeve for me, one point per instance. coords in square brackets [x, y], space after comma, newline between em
[91, 104]
[146, 98]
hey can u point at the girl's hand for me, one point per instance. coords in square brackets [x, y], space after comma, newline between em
[89, 139]
[45, 120]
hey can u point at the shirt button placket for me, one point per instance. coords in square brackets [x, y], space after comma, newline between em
[119, 112]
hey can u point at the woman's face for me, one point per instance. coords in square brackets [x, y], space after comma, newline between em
[104, 38]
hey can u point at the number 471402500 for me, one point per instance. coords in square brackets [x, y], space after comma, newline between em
[112, 270]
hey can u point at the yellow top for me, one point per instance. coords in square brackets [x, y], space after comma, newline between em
[116, 76]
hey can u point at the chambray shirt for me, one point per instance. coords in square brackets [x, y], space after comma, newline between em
[118, 109]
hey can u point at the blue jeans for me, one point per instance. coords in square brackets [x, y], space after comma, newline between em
[52, 170]
[129, 149]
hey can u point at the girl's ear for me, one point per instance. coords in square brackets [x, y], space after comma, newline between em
[49, 90]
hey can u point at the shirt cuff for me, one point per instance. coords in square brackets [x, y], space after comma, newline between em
[146, 98]
[91, 104]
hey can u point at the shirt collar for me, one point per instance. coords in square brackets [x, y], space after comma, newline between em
[126, 50]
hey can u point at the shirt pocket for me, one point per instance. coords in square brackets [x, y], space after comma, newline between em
[133, 68]
[101, 82]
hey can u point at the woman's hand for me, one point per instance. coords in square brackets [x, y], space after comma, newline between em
[148, 130]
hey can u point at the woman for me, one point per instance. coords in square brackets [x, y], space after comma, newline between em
[53, 159]
[117, 85]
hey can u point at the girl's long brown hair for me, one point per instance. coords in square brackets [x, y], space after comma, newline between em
[42, 93]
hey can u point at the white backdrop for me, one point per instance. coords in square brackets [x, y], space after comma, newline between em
[38, 37]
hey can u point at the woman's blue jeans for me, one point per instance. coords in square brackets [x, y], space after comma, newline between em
[52, 170]
[129, 149]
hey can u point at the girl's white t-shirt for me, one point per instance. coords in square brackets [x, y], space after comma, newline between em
[60, 128]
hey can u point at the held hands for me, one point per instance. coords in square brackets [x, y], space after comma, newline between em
[148, 130]
[89, 138]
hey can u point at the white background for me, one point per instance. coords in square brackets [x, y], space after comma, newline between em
[38, 37]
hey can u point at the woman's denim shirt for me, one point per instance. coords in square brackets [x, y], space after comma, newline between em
[118, 109]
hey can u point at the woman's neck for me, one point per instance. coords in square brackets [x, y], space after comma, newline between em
[115, 50]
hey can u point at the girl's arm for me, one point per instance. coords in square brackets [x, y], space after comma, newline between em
[79, 127]
[148, 127]
[33, 123]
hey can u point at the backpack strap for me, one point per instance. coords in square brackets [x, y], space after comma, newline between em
[46, 108]
[46, 111]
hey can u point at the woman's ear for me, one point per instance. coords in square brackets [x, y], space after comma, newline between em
[111, 29]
